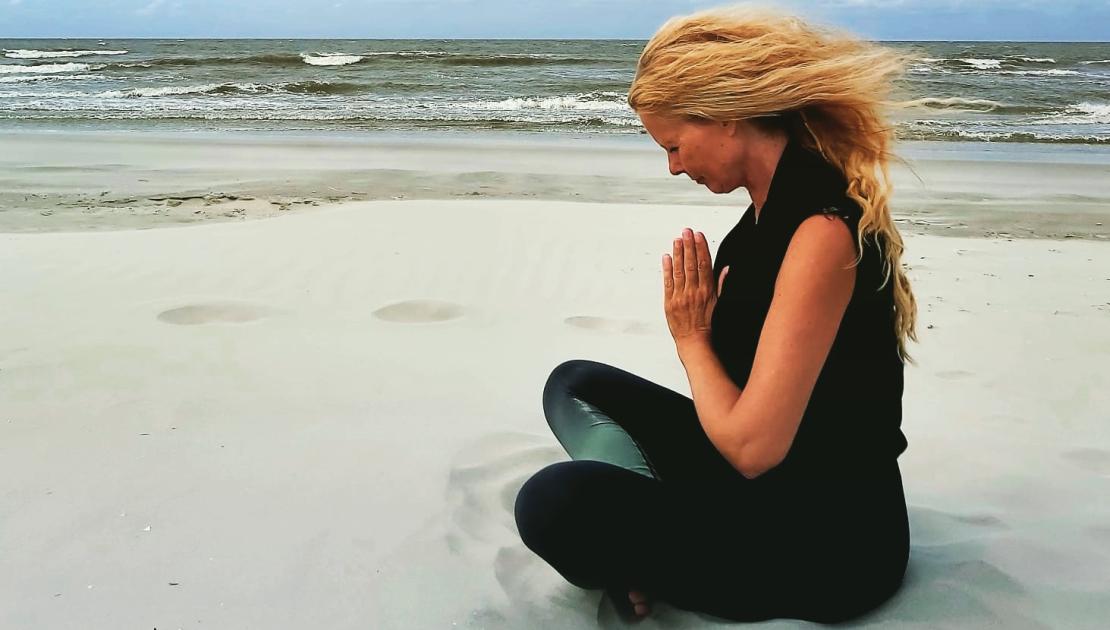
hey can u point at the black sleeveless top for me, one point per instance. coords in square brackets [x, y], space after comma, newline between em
[854, 415]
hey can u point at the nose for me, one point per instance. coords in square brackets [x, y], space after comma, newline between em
[674, 165]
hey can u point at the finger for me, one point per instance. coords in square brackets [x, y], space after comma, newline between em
[690, 257]
[679, 268]
[721, 280]
[668, 278]
[705, 260]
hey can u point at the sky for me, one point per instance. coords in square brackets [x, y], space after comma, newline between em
[888, 20]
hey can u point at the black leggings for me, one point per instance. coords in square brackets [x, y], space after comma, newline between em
[648, 503]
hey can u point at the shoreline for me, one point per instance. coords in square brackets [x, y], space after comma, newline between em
[103, 180]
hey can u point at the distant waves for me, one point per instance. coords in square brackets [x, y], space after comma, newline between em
[53, 54]
[971, 91]
[314, 59]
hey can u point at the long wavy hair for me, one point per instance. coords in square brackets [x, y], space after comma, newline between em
[827, 89]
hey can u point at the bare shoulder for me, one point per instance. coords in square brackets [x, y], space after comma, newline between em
[821, 242]
[812, 291]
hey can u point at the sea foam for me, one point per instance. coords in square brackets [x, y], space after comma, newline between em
[330, 59]
[31, 78]
[49, 68]
[1080, 114]
[51, 54]
[587, 102]
[293, 87]
[956, 103]
[1057, 73]
[983, 64]
[173, 90]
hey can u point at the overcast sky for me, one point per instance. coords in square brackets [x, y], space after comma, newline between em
[1033, 20]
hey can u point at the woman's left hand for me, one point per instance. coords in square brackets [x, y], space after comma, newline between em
[689, 292]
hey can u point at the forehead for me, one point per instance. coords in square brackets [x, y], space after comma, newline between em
[662, 127]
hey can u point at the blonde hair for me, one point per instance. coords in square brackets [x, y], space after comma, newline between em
[828, 90]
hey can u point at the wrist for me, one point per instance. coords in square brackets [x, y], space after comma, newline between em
[692, 345]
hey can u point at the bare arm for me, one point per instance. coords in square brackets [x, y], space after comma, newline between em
[754, 427]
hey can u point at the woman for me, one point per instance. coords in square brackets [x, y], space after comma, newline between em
[775, 491]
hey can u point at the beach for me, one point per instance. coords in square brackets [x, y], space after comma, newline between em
[104, 180]
[280, 381]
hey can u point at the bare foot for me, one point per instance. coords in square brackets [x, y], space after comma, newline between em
[640, 602]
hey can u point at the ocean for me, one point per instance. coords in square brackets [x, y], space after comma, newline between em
[964, 91]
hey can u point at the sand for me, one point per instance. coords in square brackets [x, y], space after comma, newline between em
[321, 419]
[66, 181]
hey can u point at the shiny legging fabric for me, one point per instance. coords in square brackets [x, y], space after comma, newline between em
[648, 503]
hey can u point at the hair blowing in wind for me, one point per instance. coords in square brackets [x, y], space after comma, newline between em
[829, 90]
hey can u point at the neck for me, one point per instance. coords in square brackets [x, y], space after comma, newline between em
[763, 171]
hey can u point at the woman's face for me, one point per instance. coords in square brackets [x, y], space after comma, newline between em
[711, 153]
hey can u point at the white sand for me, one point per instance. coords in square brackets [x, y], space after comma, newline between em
[321, 420]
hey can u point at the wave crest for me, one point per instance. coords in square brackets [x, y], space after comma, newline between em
[1080, 114]
[956, 103]
[967, 135]
[294, 87]
[593, 101]
[30, 78]
[338, 59]
[330, 59]
[46, 68]
[21, 53]
[1045, 73]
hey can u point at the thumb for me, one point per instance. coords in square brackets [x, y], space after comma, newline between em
[721, 280]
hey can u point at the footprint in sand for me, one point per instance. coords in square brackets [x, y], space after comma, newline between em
[604, 324]
[485, 477]
[972, 591]
[933, 527]
[214, 313]
[483, 483]
[1094, 460]
[418, 311]
[980, 520]
[13, 351]
[1099, 532]
[954, 374]
[542, 598]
